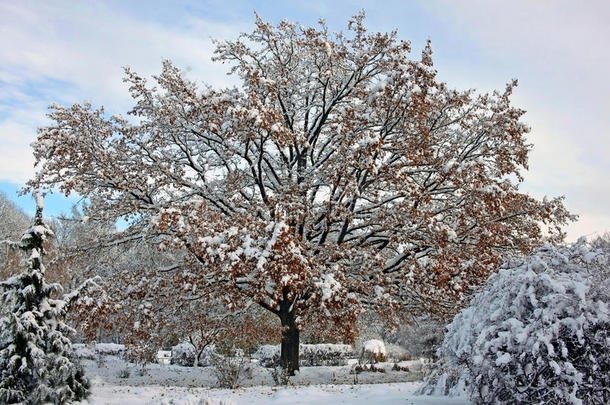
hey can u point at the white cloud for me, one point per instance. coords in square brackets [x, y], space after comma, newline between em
[16, 158]
[559, 52]
[68, 53]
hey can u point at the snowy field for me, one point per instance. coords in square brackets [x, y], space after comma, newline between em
[171, 384]
[392, 393]
[174, 375]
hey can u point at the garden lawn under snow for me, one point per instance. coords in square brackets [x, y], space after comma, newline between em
[173, 375]
[392, 393]
[177, 385]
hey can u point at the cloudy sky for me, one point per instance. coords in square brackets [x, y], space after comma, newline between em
[68, 52]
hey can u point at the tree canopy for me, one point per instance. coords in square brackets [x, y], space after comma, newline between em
[341, 174]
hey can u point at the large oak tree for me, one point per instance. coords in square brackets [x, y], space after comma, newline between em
[340, 175]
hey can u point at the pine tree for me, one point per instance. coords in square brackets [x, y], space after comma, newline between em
[36, 357]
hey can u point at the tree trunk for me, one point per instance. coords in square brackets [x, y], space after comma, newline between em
[289, 356]
[196, 360]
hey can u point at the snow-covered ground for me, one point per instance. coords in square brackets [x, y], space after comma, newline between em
[173, 375]
[176, 385]
[379, 394]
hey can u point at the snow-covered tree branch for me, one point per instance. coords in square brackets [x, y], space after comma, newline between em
[342, 174]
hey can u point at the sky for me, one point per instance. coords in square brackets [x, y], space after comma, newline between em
[73, 51]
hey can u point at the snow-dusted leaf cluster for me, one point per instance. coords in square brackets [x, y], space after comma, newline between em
[539, 331]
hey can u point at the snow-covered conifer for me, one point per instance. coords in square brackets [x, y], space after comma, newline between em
[36, 358]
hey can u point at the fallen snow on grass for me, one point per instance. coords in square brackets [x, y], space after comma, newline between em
[176, 385]
[109, 370]
[379, 394]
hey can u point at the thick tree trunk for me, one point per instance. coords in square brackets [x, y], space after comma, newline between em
[289, 356]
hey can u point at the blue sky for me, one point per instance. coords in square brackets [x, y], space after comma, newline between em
[69, 51]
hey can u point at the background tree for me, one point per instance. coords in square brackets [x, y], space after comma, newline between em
[12, 223]
[602, 242]
[37, 362]
[341, 174]
[422, 337]
[159, 310]
[14, 220]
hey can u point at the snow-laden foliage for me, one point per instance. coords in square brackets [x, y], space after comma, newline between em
[183, 354]
[341, 175]
[374, 346]
[110, 349]
[441, 379]
[539, 331]
[37, 363]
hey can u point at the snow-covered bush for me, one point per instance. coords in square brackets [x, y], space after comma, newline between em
[539, 331]
[371, 368]
[95, 351]
[401, 366]
[185, 354]
[124, 373]
[373, 351]
[444, 380]
[83, 351]
[280, 376]
[323, 354]
[267, 355]
[191, 399]
[397, 352]
[110, 349]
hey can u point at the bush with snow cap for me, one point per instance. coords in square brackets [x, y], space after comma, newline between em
[539, 331]
[310, 355]
[185, 354]
[325, 354]
[373, 351]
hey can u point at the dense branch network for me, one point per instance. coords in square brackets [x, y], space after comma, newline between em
[341, 174]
